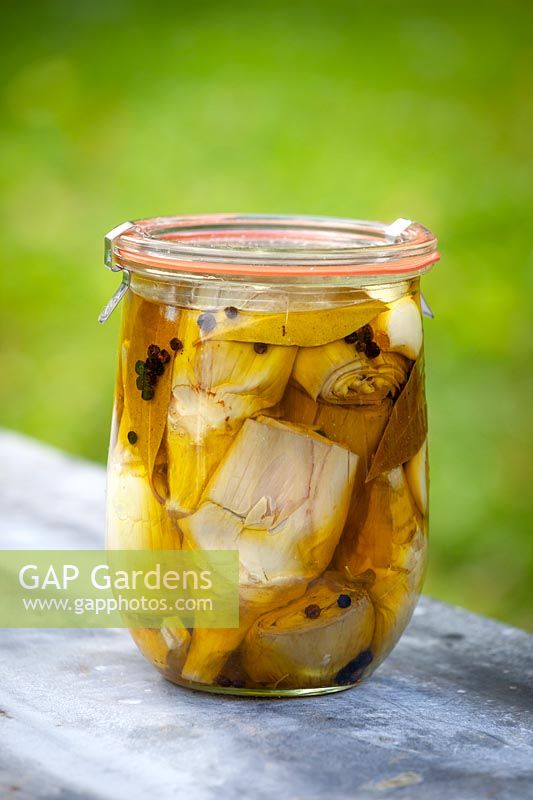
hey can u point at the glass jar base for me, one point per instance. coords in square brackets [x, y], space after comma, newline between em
[249, 692]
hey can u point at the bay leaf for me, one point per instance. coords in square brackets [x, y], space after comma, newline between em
[302, 328]
[149, 323]
[406, 429]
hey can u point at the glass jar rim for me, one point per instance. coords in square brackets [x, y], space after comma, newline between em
[249, 246]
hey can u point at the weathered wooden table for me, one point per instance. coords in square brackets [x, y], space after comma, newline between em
[82, 715]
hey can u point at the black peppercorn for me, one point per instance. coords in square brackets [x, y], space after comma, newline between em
[176, 344]
[260, 347]
[139, 383]
[139, 367]
[360, 347]
[354, 669]
[164, 357]
[312, 611]
[147, 393]
[231, 312]
[206, 322]
[153, 350]
[373, 350]
[344, 601]
[351, 338]
[365, 333]
[132, 437]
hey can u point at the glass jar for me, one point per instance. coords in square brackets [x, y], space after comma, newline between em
[270, 400]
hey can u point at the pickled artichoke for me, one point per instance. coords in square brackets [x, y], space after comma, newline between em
[280, 496]
[417, 474]
[308, 642]
[400, 328]
[395, 593]
[163, 647]
[388, 293]
[387, 550]
[289, 489]
[190, 464]
[136, 520]
[338, 373]
[215, 386]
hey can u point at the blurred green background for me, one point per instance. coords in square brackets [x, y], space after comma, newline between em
[117, 110]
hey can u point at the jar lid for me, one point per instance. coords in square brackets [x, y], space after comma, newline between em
[262, 246]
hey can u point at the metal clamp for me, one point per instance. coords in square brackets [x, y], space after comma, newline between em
[108, 262]
[116, 298]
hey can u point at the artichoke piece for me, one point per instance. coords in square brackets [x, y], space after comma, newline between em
[407, 426]
[190, 464]
[388, 292]
[148, 323]
[280, 497]
[417, 474]
[400, 328]
[309, 641]
[395, 593]
[136, 520]
[387, 551]
[215, 386]
[302, 328]
[165, 647]
[338, 373]
[388, 519]
[211, 648]
[215, 528]
[291, 488]
[215, 382]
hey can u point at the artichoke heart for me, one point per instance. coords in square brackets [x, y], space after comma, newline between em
[417, 474]
[164, 647]
[309, 641]
[388, 549]
[215, 386]
[280, 497]
[388, 292]
[338, 373]
[291, 327]
[136, 520]
[190, 464]
[400, 328]
[395, 593]
[289, 488]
